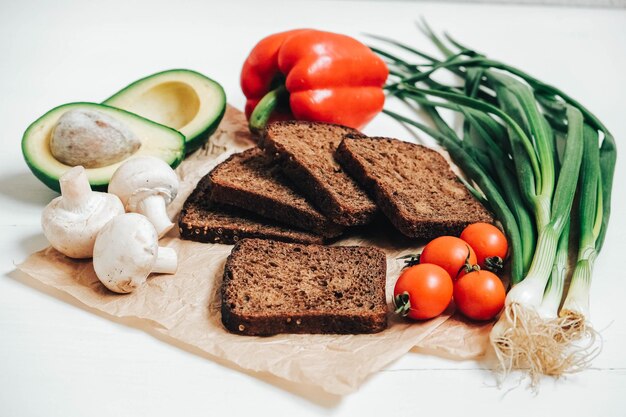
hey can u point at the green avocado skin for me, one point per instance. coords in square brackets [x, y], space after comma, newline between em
[197, 140]
[52, 181]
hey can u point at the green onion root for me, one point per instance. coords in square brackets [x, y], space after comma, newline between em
[523, 340]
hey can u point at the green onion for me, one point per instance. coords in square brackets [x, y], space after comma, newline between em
[576, 303]
[510, 188]
[512, 122]
[530, 291]
[553, 293]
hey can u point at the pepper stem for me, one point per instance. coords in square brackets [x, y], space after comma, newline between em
[264, 109]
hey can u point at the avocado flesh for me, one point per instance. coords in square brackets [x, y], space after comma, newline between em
[181, 99]
[156, 140]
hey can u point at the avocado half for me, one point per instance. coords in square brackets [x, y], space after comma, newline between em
[182, 99]
[156, 140]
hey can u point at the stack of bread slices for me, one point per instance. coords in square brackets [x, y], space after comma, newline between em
[302, 186]
[306, 182]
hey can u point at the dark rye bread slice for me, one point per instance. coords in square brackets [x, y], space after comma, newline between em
[274, 287]
[252, 181]
[204, 221]
[304, 151]
[413, 185]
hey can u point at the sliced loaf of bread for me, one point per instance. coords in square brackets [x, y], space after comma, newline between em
[252, 181]
[204, 221]
[413, 185]
[304, 151]
[274, 287]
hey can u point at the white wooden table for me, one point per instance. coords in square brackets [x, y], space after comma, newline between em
[59, 359]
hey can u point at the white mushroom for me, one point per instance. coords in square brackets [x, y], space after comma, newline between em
[72, 221]
[146, 185]
[92, 139]
[127, 251]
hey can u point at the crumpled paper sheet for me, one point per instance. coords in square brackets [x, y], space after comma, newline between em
[458, 338]
[186, 306]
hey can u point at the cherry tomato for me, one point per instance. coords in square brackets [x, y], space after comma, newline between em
[450, 253]
[479, 295]
[423, 291]
[487, 241]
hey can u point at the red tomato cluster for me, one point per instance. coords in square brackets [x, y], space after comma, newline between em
[451, 267]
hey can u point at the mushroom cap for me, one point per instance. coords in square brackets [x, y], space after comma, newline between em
[73, 233]
[125, 251]
[142, 176]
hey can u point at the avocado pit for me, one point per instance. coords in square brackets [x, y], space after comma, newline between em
[92, 139]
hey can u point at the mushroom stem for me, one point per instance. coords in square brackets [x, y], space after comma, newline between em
[154, 208]
[166, 261]
[75, 188]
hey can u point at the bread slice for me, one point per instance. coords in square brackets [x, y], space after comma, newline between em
[413, 185]
[274, 287]
[204, 221]
[250, 180]
[304, 151]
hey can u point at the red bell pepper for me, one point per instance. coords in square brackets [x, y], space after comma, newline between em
[313, 75]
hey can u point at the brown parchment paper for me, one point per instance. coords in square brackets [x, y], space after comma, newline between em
[185, 306]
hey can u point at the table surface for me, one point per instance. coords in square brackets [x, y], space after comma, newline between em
[60, 359]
